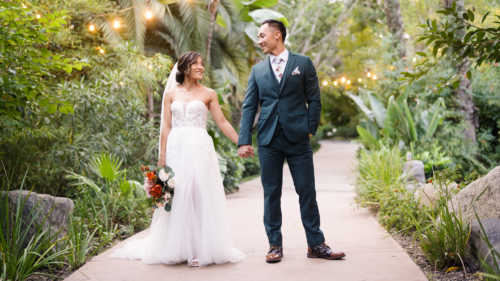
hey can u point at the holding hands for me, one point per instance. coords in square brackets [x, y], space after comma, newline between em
[245, 151]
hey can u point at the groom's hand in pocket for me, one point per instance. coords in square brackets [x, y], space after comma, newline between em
[245, 151]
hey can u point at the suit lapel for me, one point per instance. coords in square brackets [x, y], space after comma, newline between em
[270, 75]
[288, 69]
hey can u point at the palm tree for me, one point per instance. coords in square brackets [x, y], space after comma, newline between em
[187, 25]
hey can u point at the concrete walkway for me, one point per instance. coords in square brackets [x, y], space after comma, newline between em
[354, 231]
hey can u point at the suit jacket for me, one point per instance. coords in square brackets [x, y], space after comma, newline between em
[295, 102]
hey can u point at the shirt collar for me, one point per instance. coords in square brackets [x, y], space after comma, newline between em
[284, 55]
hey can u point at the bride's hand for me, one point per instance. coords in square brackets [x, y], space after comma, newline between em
[161, 162]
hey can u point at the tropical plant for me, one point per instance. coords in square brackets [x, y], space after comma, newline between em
[397, 121]
[81, 243]
[100, 199]
[21, 254]
[444, 234]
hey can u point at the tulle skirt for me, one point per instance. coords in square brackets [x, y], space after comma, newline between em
[197, 226]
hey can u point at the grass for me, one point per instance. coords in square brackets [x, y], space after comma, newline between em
[22, 256]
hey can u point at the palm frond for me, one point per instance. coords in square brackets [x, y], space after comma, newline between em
[111, 34]
[135, 20]
[229, 13]
[196, 21]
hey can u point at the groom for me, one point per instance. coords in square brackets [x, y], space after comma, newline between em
[287, 90]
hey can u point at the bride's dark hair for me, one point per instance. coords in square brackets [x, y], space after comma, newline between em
[184, 65]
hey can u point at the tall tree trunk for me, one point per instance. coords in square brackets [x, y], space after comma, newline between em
[463, 93]
[395, 24]
[212, 9]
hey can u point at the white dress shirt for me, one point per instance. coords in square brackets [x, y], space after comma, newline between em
[278, 63]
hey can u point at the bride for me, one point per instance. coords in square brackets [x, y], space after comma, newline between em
[197, 229]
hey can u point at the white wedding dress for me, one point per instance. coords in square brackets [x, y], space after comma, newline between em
[197, 226]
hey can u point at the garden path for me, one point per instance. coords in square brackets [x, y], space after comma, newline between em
[354, 231]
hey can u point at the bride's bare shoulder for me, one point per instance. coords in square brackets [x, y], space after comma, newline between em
[211, 92]
[168, 95]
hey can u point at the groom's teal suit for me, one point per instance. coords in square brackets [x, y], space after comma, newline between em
[290, 110]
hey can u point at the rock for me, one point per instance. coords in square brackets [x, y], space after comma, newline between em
[57, 219]
[414, 171]
[480, 247]
[429, 193]
[488, 205]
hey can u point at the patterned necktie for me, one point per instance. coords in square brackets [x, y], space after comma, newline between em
[278, 67]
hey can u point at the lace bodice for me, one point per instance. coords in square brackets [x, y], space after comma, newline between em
[189, 114]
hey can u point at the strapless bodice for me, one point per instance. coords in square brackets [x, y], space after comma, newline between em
[189, 114]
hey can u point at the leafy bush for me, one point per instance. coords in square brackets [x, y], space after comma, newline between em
[25, 63]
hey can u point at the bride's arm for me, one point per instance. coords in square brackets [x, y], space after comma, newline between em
[165, 130]
[219, 118]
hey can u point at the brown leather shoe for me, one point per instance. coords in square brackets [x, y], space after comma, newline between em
[275, 254]
[323, 251]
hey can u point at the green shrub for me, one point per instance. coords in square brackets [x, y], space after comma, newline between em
[380, 185]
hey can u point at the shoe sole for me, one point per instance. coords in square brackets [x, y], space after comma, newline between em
[312, 256]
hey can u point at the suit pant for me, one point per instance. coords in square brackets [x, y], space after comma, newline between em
[300, 160]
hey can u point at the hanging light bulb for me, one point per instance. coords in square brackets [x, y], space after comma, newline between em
[91, 27]
[116, 23]
[150, 66]
[38, 16]
[101, 51]
[359, 80]
[343, 79]
[335, 83]
[149, 14]
[374, 77]
[325, 83]
[414, 59]
[348, 82]
[369, 74]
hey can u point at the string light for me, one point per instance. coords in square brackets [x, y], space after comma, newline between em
[149, 14]
[38, 16]
[348, 82]
[369, 74]
[359, 80]
[343, 79]
[24, 6]
[374, 77]
[325, 83]
[335, 83]
[150, 66]
[414, 59]
[116, 23]
[91, 27]
[102, 51]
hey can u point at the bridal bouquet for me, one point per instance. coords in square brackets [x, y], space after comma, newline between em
[159, 186]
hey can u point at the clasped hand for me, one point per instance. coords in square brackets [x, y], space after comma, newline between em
[245, 151]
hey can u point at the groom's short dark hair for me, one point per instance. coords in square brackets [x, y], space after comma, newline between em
[279, 25]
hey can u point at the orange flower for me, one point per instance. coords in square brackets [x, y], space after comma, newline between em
[430, 181]
[156, 191]
[151, 176]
